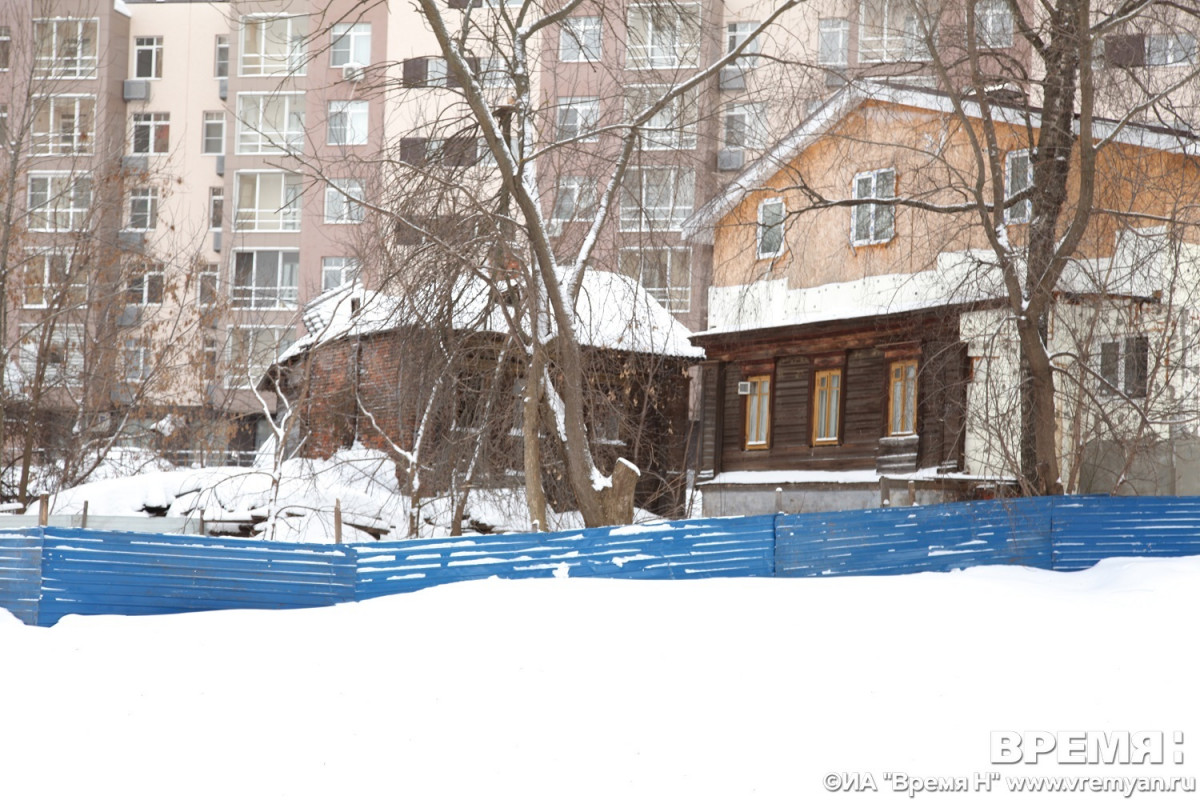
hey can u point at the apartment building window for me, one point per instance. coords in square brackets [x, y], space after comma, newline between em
[147, 57]
[216, 207]
[871, 223]
[1125, 366]
[771, 215]
[65, 48]
[577, 116]
[272, 46]
[152, 133]
[50, 280]
[745, 126]
[658, 198]
[143, 208]
[1018, 177]
[60, 350]
[1172, 48]
[993, 23]
[136, 357]
[347, 122]
[735, 34]
[59, 201]
[3, 122]
[833, 42]
[210, 358]
[343, 202]
[266, 279]
[252, 351]
[338, 271]
[267, 201]
[579, 39]
[664, 272]
[214, 133]
[206, 290]
[758, 412]
[891, 30]
[351, 44]
[146, 287]
[672, 127]
[574, 199]
[270, 123]
[64, 125]
[902, 398]
[5, 46]
[663, 36]
[827, 406]
[221, 57]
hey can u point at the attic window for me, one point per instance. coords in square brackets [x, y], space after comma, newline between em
[771, 215]
[871, 223]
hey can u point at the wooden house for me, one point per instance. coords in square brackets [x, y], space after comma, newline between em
[852, 344]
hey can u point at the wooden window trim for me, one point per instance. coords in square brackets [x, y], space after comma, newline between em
[891, 406]
[816, 407]
[757, 381]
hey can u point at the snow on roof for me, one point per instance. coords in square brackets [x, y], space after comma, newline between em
[699, 225]
[614, 312]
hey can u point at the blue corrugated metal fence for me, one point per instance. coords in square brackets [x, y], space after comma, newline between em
[46, 573]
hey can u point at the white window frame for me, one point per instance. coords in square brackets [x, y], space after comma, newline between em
[1171, 49]
[282, 292]
[213, 133]
[250, 372]
[880, 219]
[574, 199]
[738, 32]
[350, 43]
[261, 213]
[290, 60]
[676, 184]
[344, 202]
[257, 136]
[39, 264]
[664, 46]
[993, 24]
[69, 369]
[143, 208]
[1023, 211]
[48, 137]
[221, 56]
[208, 283]
[580, 40]
[351, 117]
[833, 41]
[674, 126]
[147, 287]
[676, 295]
[154, 46]
[136, 360]
[763, 227]
[576, 117]
[151, 121]
[5, 47]
[59, 184]
[64, 30]
[896, 36]
[754, 126]
[216, 194]
[344, 268]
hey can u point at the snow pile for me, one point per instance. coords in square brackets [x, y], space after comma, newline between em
[606, 688]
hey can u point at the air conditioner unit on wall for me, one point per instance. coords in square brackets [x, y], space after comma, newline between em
[744, 387]
[353, 72]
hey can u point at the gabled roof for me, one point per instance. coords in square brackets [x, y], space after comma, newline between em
[614, 312]
[699, 226]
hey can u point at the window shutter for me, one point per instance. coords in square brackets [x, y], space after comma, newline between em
[1137, 363]
[415, 72]
[710, 419]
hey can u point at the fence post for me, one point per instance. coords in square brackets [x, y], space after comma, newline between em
[778, 499]
[203, 532]
[885, 495]
[83, 516]
[337, 521]
[912, 493]
[44, 510]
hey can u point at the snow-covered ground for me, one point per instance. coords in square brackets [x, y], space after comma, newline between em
[607, 688]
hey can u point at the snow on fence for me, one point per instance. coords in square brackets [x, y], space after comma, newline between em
[48, 572]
